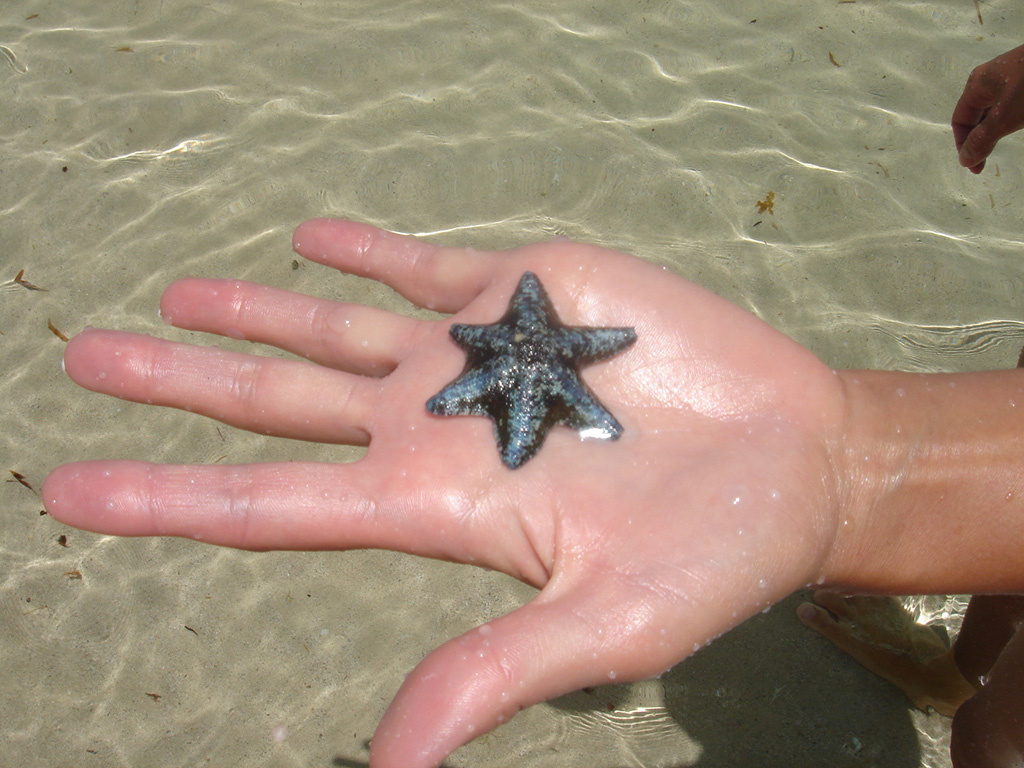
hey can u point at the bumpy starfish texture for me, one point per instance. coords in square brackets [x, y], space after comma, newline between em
[523, 373]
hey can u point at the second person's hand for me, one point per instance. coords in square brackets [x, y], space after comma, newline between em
[991, 107]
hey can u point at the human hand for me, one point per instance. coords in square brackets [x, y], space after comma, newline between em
[716, 502]
[991, 107]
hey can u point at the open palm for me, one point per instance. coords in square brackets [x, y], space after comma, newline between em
[715, 502]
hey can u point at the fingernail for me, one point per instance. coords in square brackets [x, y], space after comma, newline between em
[807, 611]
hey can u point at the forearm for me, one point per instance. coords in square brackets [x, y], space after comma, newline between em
[931, 486]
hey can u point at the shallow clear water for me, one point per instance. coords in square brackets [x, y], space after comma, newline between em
[143, 141]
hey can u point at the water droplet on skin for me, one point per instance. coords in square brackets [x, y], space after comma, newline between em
[901, 392]
[611, 674]
[762, 584]
[486, 629]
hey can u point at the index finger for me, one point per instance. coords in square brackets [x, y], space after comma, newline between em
[439, 278]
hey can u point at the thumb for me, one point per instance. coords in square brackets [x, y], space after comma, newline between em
[978, 145]
[550, 646]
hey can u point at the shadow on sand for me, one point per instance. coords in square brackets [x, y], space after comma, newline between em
[773, 693]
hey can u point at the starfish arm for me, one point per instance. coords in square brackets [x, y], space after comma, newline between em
[522, 429]
[581, 411]
[588, 345]
[531, 306]
[486, 339]
[468, 395]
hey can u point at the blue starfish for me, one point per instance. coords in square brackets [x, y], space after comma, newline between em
[523, 372]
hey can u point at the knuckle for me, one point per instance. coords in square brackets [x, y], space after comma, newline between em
[245, 383]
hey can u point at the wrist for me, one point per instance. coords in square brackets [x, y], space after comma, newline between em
[870, 454]
[930, 489]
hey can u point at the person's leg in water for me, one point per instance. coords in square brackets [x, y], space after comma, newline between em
[979, 682]
[988, 729]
